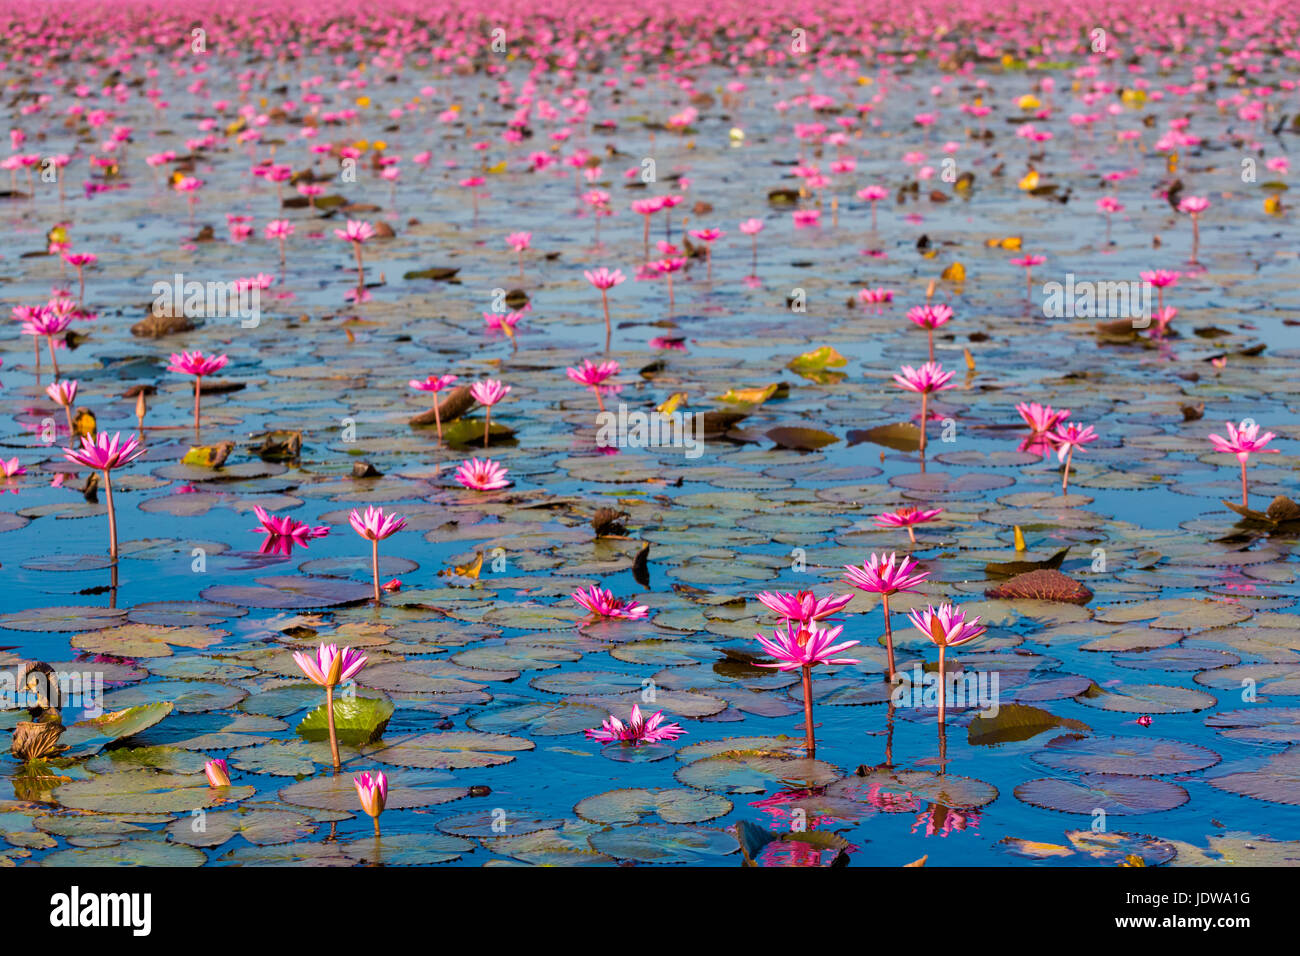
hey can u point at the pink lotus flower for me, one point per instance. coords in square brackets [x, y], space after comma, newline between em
[64, 393]
[485, 475]
[519, 241]
[946, 627]
[435, 384]
[1243, 441]
[375, 526]
[927, 379]
[356, 231]
[1067, 439]
[372, 791]
[283, 533]
[806, 218]
[217, 772]
[803, 606]
[877, 296]
[873, 195]
[197, 364]
[1041, 418]
[592, 376]
[9, 468]
[487, 393]
[637, 730]
[104, 454]
[329, 667]
[907, 518]
[1194, 206]
[602, 603]
[802, 646]
[1028, 263]
[878, 576]
[930, 317]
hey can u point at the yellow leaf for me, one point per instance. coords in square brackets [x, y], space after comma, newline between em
[380, 145]
[1133, 98]
[954, 273]
[57, 234]
[470, 570]
[751, 396]
[1133, 860]
[970, 360]
[1030, 182]
[672, 403]
[1020, 539]
[498, 168]
[208, 456]
[363, 101]
[920, 862]
[1028, 102]
[1273, 205]
[1171, 162]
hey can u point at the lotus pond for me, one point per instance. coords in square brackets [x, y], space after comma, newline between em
[1130, 694]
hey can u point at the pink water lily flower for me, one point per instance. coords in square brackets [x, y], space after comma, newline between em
[637, 730]
[800, 646]
[1194, 206]
[930, 317]
[803, 606]
[926, 380]
[947, 627]
[9, 468]
[199, 365]
[328, 668]
[434, 384]
[878, 576]
[282, 533]
[487, 393]
[372, 791]
[375, 526]
[1028, 262]
[602, 603]
[519, 241]
[1041, 418]
[1066, 439]
[908, 518]
[485, 475]
[104, 454]
[357, 233]
[593, 376]
[1243, 441]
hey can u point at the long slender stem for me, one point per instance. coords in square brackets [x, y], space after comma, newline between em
[376, 820]
[1065, 478]
[112, 517]
[197, 389]
[925, 417]
[889, 638]
[487, 425]
[437, 416]
[604, 301]
[53, 360]
[334, 737]
[1244, 503]
[810, 742]
[943, 684]
[374, 565]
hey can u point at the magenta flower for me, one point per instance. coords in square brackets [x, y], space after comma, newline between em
[927, 379]
[1194, 206]
[1067, 439]
[105, 454]
[434, 384]
[9, 468]
[946, 627]
[908, 518]
[283, 533]
[592, 376]
[878, 576]
[485, 475]
[487, 393]
[1243, 441]
[803, 646]
[1027, 263]
[1041, 418]
[197, 364]
[217, 772]
[636, 731]
[372, 791]
[930, 317]
[803, 606]
[328, 668]
[602, 603]
[519, 241]
[357, 232]
[375, 526]
[64, 393]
